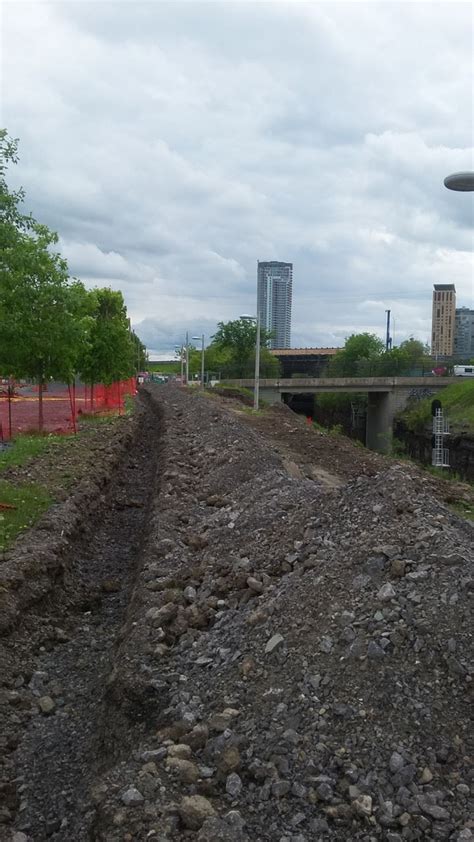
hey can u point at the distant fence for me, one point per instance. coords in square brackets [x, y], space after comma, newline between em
[63, 405]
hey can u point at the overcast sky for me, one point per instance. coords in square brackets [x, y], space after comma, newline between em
[171, 145]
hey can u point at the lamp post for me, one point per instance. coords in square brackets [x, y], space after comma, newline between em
[256, 388]
[202, 358]
[187, 358]
[461, 181]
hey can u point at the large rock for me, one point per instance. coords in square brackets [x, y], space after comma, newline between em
[194, 810]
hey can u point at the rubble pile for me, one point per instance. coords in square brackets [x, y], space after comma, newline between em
[295, 660]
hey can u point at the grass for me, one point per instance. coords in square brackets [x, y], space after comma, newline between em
[238, 392]
[458, 405]
[463, 509]
[27, 447]
[28, 501]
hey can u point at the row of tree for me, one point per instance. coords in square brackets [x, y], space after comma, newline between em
[364, 354]
[51, 326]
[231, 354]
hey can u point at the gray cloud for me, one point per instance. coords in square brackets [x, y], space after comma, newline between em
[173, 144]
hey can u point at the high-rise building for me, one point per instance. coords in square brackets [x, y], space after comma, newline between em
[274, 288]
[464, 333]
[443, 320]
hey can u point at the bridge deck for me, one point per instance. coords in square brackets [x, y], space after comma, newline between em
[348, 384]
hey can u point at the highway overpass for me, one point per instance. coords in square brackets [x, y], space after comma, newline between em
[386, 396]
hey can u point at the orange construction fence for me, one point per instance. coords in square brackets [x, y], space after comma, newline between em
[63, 405]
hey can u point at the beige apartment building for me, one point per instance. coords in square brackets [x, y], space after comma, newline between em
[443, 320]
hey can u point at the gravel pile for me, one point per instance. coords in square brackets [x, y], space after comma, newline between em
[295, 664]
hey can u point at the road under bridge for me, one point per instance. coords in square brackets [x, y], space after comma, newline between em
[386, 396]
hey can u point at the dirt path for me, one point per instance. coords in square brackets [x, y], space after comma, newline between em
[257, 652]
[60, 750]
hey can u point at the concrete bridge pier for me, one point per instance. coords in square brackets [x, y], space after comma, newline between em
[380, 414]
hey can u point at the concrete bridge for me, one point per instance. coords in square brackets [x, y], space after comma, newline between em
[386, 396]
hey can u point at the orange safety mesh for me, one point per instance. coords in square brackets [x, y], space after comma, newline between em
[62, 405]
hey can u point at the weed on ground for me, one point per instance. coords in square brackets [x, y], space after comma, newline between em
[20, 507]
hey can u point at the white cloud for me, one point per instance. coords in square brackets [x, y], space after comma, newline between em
[173, 144]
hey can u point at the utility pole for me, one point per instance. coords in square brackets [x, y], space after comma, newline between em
[256, 391]
[388, 341]
[187, 359]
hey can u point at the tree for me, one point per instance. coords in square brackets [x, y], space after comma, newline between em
[110, 352]
[234, 343]
[360, 350]
[50, 325]
[139, 352]
[38, 331]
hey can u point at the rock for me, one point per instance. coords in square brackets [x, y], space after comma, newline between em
[161, 616]
[426, 776]
[222, 721]
[220, 830]
[154, 755]
[180, 750]
[363, 805]
[324, 791]
[405, 775]
[247, 666]
[273, 643]
[374, 650]
[194, 810]
[228, 760]
[280, 788]
[196, 738]
[190, 594]
[183, 769]
[46, 705]
[233, 785]
[386, 593]
[398, 567]
[326, 644]
[254, 584]
[19, 837]
[196, 542]
[132, 797]
[434, 810]
[396, 762]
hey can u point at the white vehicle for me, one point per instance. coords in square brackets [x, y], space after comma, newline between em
[463, 370]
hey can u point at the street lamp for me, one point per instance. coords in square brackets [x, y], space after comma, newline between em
[256, 388]
[461, 181]
[202, 358]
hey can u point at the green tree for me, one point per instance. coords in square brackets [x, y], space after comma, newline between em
[38, 329]
[234, 343]
[360, 352]
[138, 352]
[110, 352]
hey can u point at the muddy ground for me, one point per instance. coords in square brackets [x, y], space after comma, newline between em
[238, 629]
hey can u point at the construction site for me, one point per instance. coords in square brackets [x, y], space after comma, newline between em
[233, 627]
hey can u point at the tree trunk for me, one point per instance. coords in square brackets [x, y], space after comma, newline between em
[10, 390]
[40, 405]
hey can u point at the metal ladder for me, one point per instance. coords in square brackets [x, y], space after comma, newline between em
[440, 453]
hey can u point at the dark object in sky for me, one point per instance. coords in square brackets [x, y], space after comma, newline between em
[460, 181]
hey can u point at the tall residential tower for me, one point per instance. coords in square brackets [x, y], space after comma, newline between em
[274, 288]
[443, 320]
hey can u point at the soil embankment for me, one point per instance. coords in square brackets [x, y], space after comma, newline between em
[276, 646]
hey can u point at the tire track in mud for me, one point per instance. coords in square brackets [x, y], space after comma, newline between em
[60, 752]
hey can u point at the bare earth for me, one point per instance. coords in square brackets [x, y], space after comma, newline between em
[242, 630]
